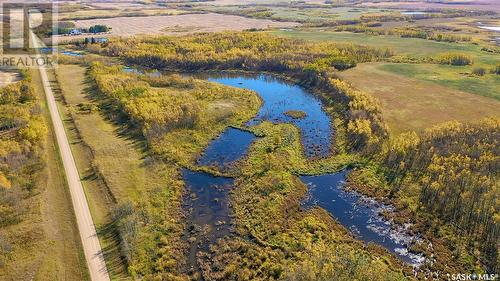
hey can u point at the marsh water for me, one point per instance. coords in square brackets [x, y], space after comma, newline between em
[280, 97]
[227, 149]
[360, 214]
[210, 213]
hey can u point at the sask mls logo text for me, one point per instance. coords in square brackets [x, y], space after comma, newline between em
[472, 276]
[26, 34]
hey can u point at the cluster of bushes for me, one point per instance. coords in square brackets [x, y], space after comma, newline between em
[63, 27]
[436, 36]
[491, 49]
[479, 71]
[98, 29]
[496, 70]
[336, 61]
[67, 27]
[458, 59]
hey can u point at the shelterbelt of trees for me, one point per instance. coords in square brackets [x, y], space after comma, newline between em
[405, 32]
[22, 135]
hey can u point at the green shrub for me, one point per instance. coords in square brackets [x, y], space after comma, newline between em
[479, 71]
[496, 70]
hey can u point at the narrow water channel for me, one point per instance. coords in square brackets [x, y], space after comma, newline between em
[209, 212]
[231, 146]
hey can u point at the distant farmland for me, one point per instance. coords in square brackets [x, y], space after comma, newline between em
[126, 26]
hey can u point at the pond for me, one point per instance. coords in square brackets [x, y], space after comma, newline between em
[414, 13]
[491, 28]
[73, 54]
[280, 97]
[133, 70]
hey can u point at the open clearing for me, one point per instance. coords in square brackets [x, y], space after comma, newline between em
[458, 78]
[7, 77]
[127, 26]
[412, 104]
[402, 46]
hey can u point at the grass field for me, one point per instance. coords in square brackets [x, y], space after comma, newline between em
[402, 46]
[414, 104]
[70, 81]
[420, 95]
[119, 158]
[458, 78]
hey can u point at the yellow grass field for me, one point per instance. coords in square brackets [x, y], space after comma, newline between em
[412, 104]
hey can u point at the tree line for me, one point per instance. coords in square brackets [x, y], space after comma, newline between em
[456, 169]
